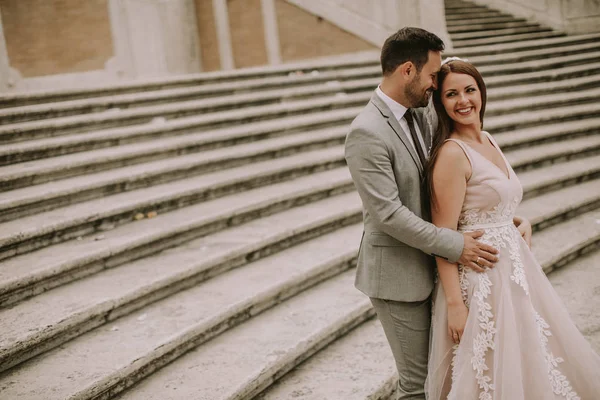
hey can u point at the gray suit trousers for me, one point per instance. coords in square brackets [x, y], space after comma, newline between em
[406, 326]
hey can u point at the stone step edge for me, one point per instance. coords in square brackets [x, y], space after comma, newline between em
[186, 138]
[255, 384]
[389, 387]
[530, 190]
[347, 60]
[291, 89]
[329, 63]
[16, 289]
[303, 351]
[561, 155]
[472, 43]
[480, 28]
[136, 116]
[99, 315]
[32, 240]
[535, 189]
[583, 83]
[112, 309]
[46, 202]
[504, 32]
[220, 119]
[132, 135]
[117, 382]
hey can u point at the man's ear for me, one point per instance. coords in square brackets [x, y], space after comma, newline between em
[406, 70]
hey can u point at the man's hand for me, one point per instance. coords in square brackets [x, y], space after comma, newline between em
[476, 255]
[525, 229]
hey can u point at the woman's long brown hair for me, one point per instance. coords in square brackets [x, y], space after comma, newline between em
[445, 123]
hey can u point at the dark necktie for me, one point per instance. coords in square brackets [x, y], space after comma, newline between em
[411, 126]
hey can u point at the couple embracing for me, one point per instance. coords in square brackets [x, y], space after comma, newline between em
[467, 310]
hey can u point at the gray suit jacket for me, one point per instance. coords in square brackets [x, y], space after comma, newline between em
[395, 258]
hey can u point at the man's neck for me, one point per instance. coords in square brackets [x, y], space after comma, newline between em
[394, 91]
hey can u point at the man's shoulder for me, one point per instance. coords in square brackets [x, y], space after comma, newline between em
[369, 119]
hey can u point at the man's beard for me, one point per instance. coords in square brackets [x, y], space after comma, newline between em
[415, 95]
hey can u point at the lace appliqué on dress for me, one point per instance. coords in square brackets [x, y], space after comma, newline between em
[500, 213]
[484, 340]
[560, 383]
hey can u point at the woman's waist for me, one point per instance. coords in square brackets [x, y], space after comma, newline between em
[484, 225]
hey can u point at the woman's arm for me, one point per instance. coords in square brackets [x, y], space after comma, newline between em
[450, 174]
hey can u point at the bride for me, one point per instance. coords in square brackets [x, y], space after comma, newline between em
[504, 333]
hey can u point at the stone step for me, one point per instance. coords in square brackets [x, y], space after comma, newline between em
[65, 319]
[537, 89]
[578, 286]
[367, 366]
[512, 122]
[503, 49]
[471, 12]
[112, 103]
[147, 339]
[77, 262]
[144, 323]
[490, 20]
[71, 165]
[541, 102]
[293, 70]
[560, 205]
[560, 244]
[186, 133]
[489, 26]
[357, 366]
[155, 117]
[87, 217]
[241, 75]
[182, 125]
[552, 153]
[44, 197]
[543, 180]
[184, 369]
[147, 116]
[204, 99]
[463, 5]
[459, 45]
[559, 74]
[474, 15]
[142, 172]
[55, 317]
[287, 90]
[492, 33]
[24, 275]
[547, 133]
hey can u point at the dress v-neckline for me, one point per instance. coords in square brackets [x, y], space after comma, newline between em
[505, 174]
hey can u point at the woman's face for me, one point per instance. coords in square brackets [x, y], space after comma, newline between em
[461, 98]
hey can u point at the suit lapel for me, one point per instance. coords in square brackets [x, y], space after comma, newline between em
[395, 125]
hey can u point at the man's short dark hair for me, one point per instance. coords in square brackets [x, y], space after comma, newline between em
[408, 44]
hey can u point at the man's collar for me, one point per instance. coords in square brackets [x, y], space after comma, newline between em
[396, 108]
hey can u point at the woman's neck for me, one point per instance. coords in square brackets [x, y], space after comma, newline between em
[467, 133]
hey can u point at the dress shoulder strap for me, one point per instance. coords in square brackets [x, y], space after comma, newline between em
[464, 149]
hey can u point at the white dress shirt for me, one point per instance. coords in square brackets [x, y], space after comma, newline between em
[399, 110]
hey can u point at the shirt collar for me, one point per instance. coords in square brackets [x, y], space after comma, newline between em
[396, 108]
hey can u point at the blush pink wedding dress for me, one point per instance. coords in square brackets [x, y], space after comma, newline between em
[519, 342]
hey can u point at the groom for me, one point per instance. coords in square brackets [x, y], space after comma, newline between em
[386, 152]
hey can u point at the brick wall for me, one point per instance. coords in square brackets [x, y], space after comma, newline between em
[303, 35]
[46, 37]
[247, 33]
[207, 33]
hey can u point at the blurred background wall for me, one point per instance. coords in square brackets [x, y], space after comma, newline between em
[67, 43]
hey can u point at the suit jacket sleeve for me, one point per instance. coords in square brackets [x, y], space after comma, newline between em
[370, 165]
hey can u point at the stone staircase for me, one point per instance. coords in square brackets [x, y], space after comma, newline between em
[195, 238]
